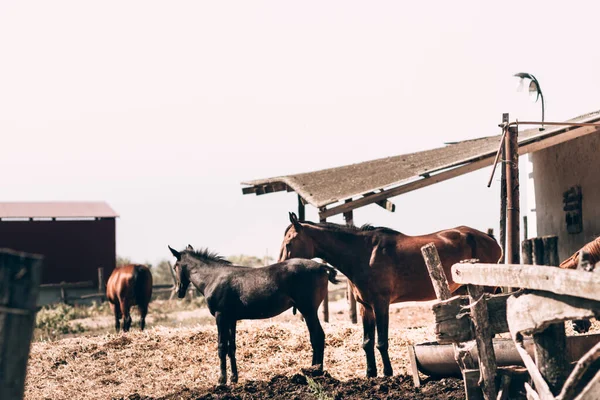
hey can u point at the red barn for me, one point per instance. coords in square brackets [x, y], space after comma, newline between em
[75, 238]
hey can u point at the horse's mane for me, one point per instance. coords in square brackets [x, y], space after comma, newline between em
[207, 256]
[348, 228]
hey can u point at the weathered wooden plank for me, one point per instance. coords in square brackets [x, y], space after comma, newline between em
[483, 337]
[452, 322]
[504, 388]
[20, 276]
[70, 285]
[592, 390]
[442, 291]
[436, 272]
[559, 281]
[414, 370]
[527, 252]
[533, 312]
[551, 342]
[568, 390]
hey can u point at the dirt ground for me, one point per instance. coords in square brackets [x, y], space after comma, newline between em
[179, 361]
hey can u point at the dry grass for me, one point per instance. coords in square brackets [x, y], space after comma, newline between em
[164, 360]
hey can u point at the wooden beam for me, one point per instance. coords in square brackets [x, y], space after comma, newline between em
[560, 281]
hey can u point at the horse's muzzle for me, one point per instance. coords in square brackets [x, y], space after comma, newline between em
[181, 291]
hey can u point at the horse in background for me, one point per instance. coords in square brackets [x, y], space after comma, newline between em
[385, 267]
[129, 285]
[593, 250]
[234, 293]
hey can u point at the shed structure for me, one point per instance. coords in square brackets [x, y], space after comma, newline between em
[75, 238]
[564, 172]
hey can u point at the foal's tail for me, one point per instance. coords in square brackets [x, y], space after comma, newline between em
[331, 272]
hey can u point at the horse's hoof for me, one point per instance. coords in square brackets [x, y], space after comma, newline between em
[371, 374]
[234, 379]
[388, 373]
[222, 381]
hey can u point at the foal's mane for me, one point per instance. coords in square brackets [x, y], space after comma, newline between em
[348, 228]
[207, 256]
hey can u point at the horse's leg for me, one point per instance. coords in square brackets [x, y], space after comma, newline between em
[368, 320]
[117, 311]
[382, 319]
[317, 336]
[125, 308]
[232, 360]
[143, 312]
[223, 333]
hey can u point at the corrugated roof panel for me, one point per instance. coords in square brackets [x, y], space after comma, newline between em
[328, 186]
[57, 209]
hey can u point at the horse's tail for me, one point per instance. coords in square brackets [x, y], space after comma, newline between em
[331, 272]
[141, 279]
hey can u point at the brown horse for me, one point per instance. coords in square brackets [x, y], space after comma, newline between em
[384, 266]
[233, 293]
[127, 286]
[593, 250]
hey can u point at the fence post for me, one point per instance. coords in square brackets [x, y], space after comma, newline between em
[101, 284]
[442, 292]
[550, 344]
[20, 276]
[349, 218]
[326, 299]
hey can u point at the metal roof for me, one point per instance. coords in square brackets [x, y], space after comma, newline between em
[328, 186]
[57, 209]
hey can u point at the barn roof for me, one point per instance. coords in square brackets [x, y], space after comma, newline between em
[414, 170]
[57, 209]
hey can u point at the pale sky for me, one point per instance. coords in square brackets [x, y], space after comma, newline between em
[163, 108]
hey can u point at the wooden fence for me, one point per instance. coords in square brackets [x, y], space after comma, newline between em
[20, 277]
[548, 297]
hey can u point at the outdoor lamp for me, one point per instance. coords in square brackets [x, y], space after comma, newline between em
[535, 91]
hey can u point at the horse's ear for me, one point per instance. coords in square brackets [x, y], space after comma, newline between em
[175, 253]
[295, 222]
[189, 248]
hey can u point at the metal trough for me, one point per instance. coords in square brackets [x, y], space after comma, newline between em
[437, 360]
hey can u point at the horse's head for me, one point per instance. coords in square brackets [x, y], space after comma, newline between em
[296, 242]
[182, 274]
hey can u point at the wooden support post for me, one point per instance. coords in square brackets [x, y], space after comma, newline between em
[503, 197]
[550, 345]
[349, 218]
[326, 299]
[525, 227]
[63, 293]
[442, 292]
[301, 209]
[436, 272]
[20, 276]
[512, 196]
[527, 251]
[101, 283]
[483, 337]
[538, 251]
